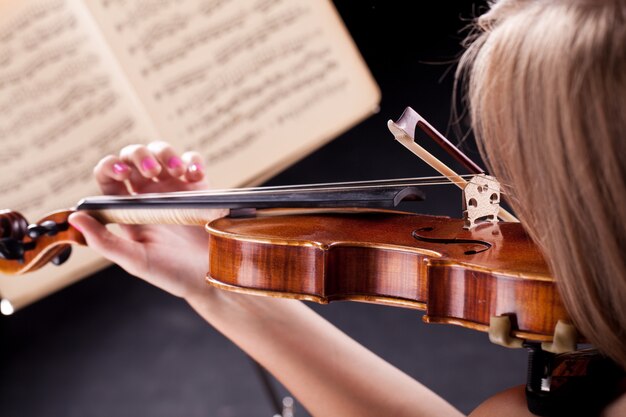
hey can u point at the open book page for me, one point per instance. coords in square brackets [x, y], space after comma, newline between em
[63, 105]
[253, 84]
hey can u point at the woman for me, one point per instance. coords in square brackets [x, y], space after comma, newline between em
[547, 93]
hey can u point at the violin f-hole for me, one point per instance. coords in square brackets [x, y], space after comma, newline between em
[482, 245]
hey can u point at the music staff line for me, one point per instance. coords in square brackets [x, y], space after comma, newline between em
[46, 33]
[67, 50]
[269, 28]
[192, 42]
[55, 169]
[229, 76]
[32, 14]
[264, 85]
[264, 106]
[38, 114]
[68, 123]
[34, 91]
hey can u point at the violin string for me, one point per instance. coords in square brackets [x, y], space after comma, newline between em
[394, 181]
[332, 186]
[345, 186]
[283, 189]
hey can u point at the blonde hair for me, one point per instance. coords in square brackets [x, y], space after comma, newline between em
[545, 82]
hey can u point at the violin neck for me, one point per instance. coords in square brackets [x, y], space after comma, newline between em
[193, 208]
[178, 216]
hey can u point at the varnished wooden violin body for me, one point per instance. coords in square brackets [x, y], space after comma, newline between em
[429, 263]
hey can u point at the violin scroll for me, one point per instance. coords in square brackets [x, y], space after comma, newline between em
[12, 224]
[27, 247]
[13, 228]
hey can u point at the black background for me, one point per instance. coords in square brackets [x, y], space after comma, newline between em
[113, 345]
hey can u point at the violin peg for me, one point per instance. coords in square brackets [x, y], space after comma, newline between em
[62, 256]
[47, 227]
[11, 249]
[12, 225]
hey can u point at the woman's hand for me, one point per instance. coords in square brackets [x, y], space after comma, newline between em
[173, 258]
[310, 356]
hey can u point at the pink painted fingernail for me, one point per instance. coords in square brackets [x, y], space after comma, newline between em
[149, 164]
[174, 162]
[195, 167]
[120, 168]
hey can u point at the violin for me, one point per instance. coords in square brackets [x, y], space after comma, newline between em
[343, 241]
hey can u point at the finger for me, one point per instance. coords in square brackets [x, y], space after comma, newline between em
[168, 158]
[138, 183]
[115, 248]
[142, 159]
[110, 173]
[131, 231]
[195, 166]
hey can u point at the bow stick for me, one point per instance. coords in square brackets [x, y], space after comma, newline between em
[404, 132]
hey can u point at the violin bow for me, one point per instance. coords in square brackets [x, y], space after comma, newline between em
[404, 132]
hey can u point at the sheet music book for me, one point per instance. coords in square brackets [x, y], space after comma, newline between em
[254, 85]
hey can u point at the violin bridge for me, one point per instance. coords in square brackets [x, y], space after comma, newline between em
[481, 200]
